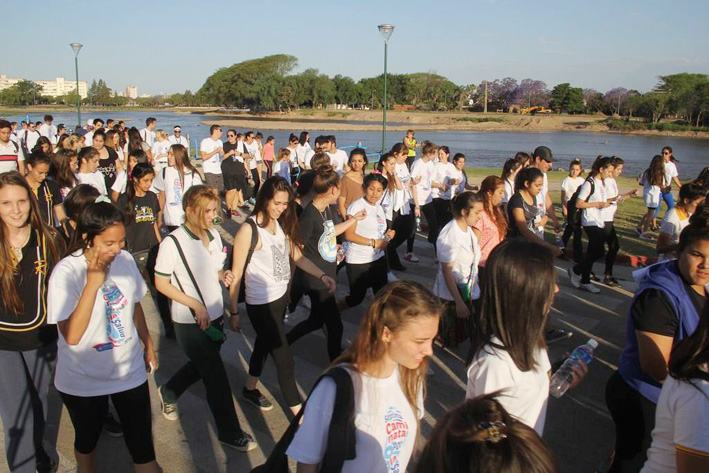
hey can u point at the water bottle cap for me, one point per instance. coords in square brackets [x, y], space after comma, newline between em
[592, 343]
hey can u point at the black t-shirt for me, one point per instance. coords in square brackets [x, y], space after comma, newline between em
[29, 330]
[107, 167]
[140, 234]
[230, 166]
[48, 195]
[318, 236]
[517, 202]
[652, 311]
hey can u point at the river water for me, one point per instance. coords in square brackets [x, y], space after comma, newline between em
[482, 149]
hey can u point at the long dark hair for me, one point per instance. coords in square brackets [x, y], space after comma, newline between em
[655, 174]
[288, 219]
[61, 168]
[182, 162]
[139, 171]
[304, 136]
[601, 162]
[527, 175]
[135, 141]
[96, 218]
[510, 166]
[47, 238]
[464, 201]
[518, 289]
[487, 188]
[480, 436]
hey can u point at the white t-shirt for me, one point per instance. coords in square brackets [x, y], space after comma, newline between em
[292, 157]
[160, 147]
[425, 171]
[148, 136]
[670, 172]
[681, 421]
[300, 152]
[308, 157]
[525, 395]
[10, 154]
[89, 138]
[48, 131]
[338, 160]
[672, 225]
[385, 425]
[109, 357]
[121, 182]
[541, 200]
[651, 194]
[462, 249]
[593, 217]
[374, 225]
[253, 150]
[95, 179]
[569, 185]
[282, 168]
[268, 273]
[456, 189]
[205, 264]
[30, 138]
[402, 172]
[443, 174]
[213, 164]
[168, 181]
[611, 191]
[182, 140]
[509, 190]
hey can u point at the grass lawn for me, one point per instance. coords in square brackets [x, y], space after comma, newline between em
[626, 219]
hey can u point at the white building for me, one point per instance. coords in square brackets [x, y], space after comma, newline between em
[51, 88]
[132, 92]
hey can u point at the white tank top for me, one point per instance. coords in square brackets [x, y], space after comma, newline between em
[268, 273]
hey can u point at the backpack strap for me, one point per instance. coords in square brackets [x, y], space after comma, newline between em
[189, 271]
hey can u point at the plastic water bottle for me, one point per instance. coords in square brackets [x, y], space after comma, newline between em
[418, 224]
[562, 379]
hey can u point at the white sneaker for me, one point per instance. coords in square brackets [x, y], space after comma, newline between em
[590, 288]
[391, 277]
[411, 257]
[575, 278]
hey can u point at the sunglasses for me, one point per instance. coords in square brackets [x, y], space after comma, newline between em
[231, 136]
[665, 153]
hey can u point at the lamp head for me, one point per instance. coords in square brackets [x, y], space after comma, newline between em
[76, 47]
[386, 31]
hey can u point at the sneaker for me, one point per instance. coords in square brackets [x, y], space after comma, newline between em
[169, 410]
[245, 443]
[411, 258]
[235, 213]
[111, 426]
[593, 277]
[647, 237]
[391, 277]
[557, 335]
[611, 281]
[639, 231]
[590, 288]
[44, 463]
[575, 278]
[255, 397]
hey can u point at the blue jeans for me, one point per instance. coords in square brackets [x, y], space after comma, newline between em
[669, 200]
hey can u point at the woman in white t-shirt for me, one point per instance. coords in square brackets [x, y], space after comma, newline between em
[511, 168]
[458, 255]
[266, 280]
[680, 439]
[104, 345]
[302, 147]
[387, 363]
[446, 175]
[402, 217]
[652, 180]
[395, 202]
[591, 200]
[677, 218]
[189, 271]
[88, 159]
[172, 183]
[671, 176]
[159, 150]
[509, 351]
[367, 242]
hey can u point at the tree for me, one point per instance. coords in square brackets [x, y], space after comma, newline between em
[565, 98]
[592, 100]
[464, 94]
[530, 93]
[685, 94]
[614, 100]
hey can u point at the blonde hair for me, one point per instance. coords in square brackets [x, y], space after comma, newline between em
[283, 154]
[161, 134]
[197, 198]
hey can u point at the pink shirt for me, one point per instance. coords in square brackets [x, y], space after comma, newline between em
[268, 152]
[489, 236]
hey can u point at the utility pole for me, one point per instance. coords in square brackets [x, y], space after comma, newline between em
[485, 111]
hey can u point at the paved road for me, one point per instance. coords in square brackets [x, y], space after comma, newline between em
[578, 428]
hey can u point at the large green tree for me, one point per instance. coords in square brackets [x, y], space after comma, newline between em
[565, 98]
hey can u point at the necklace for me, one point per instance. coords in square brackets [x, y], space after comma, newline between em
[17, 250]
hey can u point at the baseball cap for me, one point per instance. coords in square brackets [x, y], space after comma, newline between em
[544, 153]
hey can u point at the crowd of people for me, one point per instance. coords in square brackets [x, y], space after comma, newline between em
[95, 220]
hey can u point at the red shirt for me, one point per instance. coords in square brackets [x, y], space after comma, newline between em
[489, 236]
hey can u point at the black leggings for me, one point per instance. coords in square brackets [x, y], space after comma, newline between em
[323, 311]
[133, 408]
[634, 418]
[575, 229]
[257, 181]
[403, 225]
[362, 277]
[267, 320]
[161, 300]
[594, 252]
[429, 212]
[611, 239]
[442, 208]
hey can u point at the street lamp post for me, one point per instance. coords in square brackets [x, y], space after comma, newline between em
[386, 31]
[76, 47]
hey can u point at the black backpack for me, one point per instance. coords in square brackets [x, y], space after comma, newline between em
[573, 215]
[340, 437]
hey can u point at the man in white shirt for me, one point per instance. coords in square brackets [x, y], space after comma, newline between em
[11, 155]
[211, 151]
[97, 125]
[338, 157]
[28, 138]
[542, 160]
[47, 129]
[14, 132]
[147, 133]
[178, 139]
[312, 152]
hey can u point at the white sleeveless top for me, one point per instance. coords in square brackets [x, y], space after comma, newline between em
[268, 273]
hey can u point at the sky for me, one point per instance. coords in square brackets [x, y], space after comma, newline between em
[173, 46]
